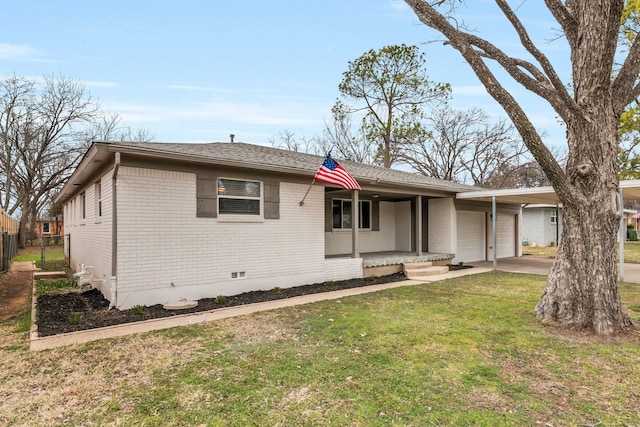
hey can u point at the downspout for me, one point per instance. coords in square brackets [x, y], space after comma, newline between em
[114, 232]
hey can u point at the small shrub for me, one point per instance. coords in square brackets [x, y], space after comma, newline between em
[137, 309]
[277, 290]
[372, 278]
[220, 299]
[329, 283]
[75, 317]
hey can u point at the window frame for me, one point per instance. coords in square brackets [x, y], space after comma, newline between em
[342, 226]
[98, 195]
[222, 196]
[554, 216]
[83, 206]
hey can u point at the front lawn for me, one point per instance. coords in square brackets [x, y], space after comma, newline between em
[631, 251]
[465, 351]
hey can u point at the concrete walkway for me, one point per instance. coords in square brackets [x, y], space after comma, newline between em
[42, 343]
[23, 266]
[542, 265]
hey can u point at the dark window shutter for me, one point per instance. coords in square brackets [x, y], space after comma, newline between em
[375, 215]
[206, 197]
[271, 200]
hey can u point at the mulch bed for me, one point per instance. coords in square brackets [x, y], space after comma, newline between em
[54, 311]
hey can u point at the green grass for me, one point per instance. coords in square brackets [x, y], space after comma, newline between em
[54, 257]
[631, 251]
[55, 286]
[465, 351]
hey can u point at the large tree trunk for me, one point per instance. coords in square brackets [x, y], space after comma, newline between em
[582, 288]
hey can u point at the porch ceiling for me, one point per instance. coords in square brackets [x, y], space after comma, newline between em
[542, 195]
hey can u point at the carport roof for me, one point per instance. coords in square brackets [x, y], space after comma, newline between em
[544, 195]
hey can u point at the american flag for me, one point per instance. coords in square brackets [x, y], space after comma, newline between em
[332, 173]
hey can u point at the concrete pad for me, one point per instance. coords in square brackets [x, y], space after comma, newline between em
[180, 305]
[49, 275]
[23, 266]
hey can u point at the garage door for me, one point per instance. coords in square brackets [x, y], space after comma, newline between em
[505, 236]
[471, 236]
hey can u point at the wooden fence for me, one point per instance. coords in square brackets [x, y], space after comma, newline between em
[9, 228]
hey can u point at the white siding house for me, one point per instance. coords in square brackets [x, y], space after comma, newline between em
[151, 223]
[541, 224]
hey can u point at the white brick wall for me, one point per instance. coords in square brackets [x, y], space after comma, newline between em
[166, 253]
[90, 240]
[442, 225]
[343, 268]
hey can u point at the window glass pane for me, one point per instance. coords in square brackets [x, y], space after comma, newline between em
[45, 227]
[365, 214]
[346, 214]
[230, 187]
[337, 213]
[239, 206]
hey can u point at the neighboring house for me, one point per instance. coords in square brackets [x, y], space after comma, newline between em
[49, 227]
[541, 224]
[155, 223]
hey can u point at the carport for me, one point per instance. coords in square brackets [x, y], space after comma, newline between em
[629, 190]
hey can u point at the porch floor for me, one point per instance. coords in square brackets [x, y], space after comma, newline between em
[380, 259]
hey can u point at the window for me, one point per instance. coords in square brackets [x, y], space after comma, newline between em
[554, 217]
[342, 213]
[98, 199]
[46, 228]
[83, 206]
[236, 197]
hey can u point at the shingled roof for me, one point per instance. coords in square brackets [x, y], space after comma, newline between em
[262, 157]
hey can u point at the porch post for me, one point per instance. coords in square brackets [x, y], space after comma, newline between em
[622, 238]
[355, 219]
[418, 225]
[494, 217]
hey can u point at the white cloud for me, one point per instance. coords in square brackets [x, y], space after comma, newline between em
[20, 52]
[469, 90]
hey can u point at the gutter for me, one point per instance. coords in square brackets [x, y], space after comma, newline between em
[114, 232]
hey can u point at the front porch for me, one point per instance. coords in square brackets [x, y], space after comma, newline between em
[383, 263]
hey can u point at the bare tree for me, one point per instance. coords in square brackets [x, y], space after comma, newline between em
[350, 144]
[582, 289]
[464, 146]
[287, 140]
[38, 131]
[108, 127]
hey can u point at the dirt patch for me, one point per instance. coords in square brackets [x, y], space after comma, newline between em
[55, 311]
[15, 293]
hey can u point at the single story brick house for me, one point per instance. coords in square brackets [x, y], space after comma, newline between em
[150, 223]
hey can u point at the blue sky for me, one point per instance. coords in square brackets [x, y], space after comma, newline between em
[198, 70]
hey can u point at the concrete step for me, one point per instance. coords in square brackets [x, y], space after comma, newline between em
[49, 275]
[423, 269]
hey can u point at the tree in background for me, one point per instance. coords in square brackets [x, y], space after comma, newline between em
[109, 127]
[389, 88]
[464, 146]
[45, 127]
[582, 289]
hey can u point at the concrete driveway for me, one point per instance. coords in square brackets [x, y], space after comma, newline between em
[542, 265]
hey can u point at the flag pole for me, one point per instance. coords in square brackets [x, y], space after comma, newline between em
[314, 178]
[308, 189]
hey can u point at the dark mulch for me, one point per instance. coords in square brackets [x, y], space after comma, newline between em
[54, 311]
